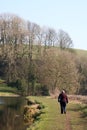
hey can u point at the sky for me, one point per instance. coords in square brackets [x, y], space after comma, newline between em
[68, 15]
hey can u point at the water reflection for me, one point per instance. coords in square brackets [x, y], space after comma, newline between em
[11, 113]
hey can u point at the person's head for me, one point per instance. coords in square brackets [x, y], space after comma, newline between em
[63, 91]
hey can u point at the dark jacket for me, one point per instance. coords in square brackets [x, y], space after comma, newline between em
[62, 98]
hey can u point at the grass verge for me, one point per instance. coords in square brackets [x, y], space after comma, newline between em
[51, 119]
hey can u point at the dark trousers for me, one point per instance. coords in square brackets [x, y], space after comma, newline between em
[63, 107]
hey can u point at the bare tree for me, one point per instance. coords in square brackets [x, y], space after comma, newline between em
[51, 37]
[57, 70]
[64, 40]
[12, 33]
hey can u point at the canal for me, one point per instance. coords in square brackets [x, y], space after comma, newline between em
[11, 113]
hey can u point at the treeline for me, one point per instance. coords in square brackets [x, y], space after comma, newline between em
[38, 61]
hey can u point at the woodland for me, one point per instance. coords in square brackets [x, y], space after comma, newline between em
[40, 60]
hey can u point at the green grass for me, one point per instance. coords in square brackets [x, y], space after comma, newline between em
[78, 114]
[48, 116]
[51, 119]
[7, 90]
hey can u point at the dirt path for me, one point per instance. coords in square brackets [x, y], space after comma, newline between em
[68, 122]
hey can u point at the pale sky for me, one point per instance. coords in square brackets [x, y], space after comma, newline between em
[68, 15]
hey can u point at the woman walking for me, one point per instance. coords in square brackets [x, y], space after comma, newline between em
[63, 99]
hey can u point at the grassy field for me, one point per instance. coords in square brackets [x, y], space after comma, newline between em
[51, 119]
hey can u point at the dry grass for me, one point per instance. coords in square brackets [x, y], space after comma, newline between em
[7, 94]
[78, 98]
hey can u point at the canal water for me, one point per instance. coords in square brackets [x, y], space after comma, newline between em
[11, 113]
